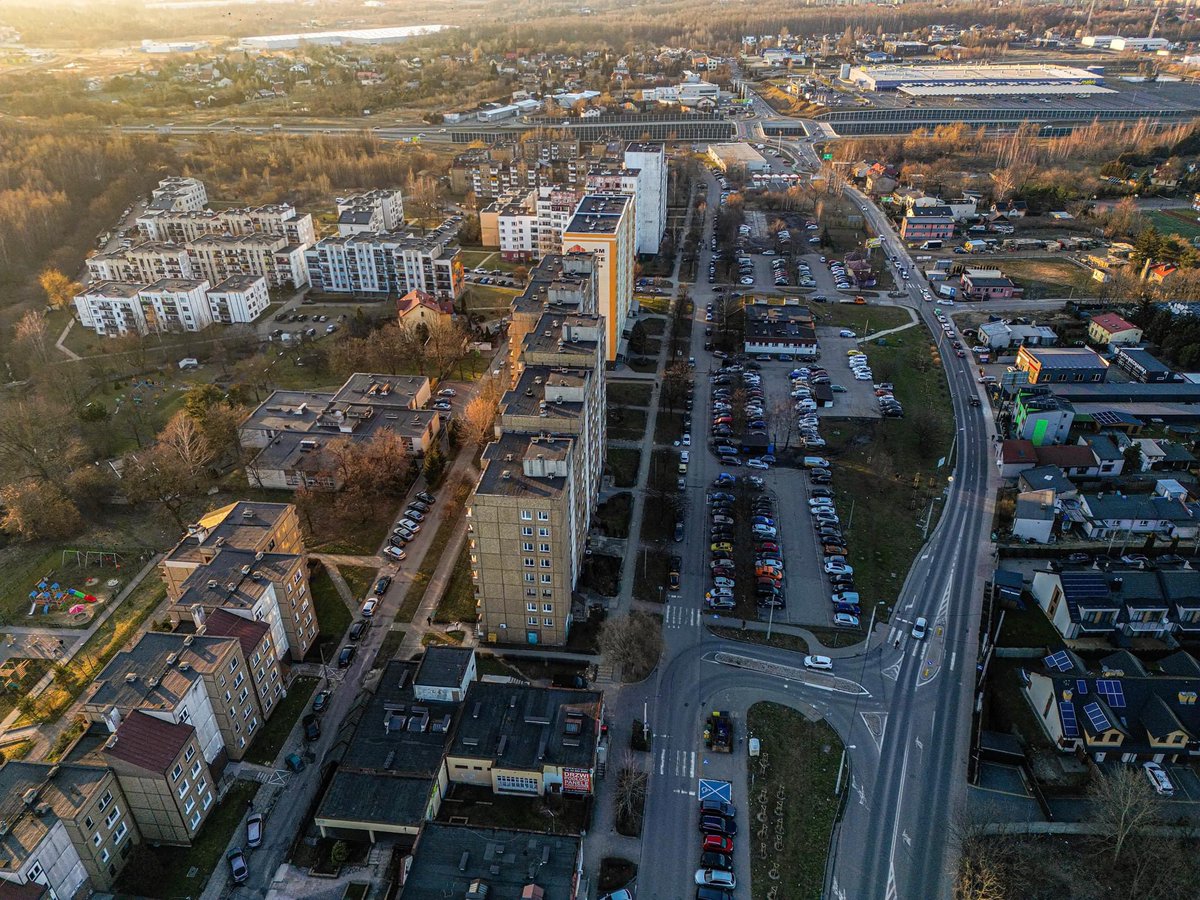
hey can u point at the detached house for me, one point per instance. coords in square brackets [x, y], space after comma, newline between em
[1134, 602]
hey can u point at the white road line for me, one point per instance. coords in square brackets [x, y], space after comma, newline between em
[693, 772]
[953, 657]
[662, 762]
[915, 650]
[891, 635]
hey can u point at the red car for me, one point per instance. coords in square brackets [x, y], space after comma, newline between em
[717, 844]
[768, 547]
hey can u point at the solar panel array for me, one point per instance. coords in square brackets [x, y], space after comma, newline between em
[1084, 585]
[1066, 712]
[1111, 690]
[1081, 686]
[1060, 661]
[1096, 716]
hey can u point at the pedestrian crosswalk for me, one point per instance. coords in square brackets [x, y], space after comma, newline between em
[681, 617]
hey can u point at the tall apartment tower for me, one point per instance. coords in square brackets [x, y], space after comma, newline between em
[650, 161]
[604, 225]
[531, 508]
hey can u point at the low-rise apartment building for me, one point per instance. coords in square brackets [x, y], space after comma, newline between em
[145, 263]
[178, 193]
[297, 432]
[387, 264]
[239, 299]
[917, 227]
[170, 305]
[184, 226]
[167, 783]
[192, 679]
[65, 826]
[221, 256]
[371, 212]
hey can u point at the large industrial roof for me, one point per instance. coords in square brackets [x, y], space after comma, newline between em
[1024, 88]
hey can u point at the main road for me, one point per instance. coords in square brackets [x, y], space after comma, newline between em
[902, 706]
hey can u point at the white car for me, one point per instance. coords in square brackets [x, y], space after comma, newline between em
[838, 569]
[919, 628]
[394, 552]
[716, 877]
[756, 464]
[847, 333]
[368, 608]
[447, 392]
[1158, 779]
[687, 440]
[824, 663]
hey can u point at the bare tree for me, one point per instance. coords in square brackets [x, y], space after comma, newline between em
[673, 390]
[1123, 805]
[478, 422]
[29, 334]
[783, 422]
[630, 795]
[183, 440]
[38, 510]
[633, 643]
[927, 431]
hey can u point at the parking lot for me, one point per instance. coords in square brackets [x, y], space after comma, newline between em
[859, 400]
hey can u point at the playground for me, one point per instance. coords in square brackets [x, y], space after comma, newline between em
[61, 588]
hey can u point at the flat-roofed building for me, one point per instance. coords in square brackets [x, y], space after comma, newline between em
[738, 158]
[387, 264]
[562, 283]
[183, 226]
[780, 329]
[373, 211]
[239, 299]
[604, 225]
[649, 159]
[271, 256]
[177, 304]
[144, 263]
[178, 193]
[1046, 365]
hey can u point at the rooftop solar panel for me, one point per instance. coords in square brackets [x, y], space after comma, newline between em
[1081, 686]
[1067, 713]
[1060, 661]
[1096, 716]
[1111, 690]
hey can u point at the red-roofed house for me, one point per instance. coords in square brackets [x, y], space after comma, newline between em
[420, 308]
[260, 653]
[1109, 328]
[162, 772]
[1014, 457]
[1160, 273]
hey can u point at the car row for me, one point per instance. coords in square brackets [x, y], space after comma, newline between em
[715, 879]
[801, 391]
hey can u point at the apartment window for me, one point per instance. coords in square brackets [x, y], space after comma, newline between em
[547, 593]
[543, 516]
[532, 620]
[546, 564]
[531, 607]
[544, 548]
[207, 801]
[97, 839]
[526, 531]
[526, 516]
[112, 816]
[547, 578]
[183, 788]
[547, 607]
[233, 664]
[517, 784]
[529, 562]
[253, 725]
[195, 819]
[228, 696]
[548, 623]
[88, 823]
[237, 682]
[543, 532]
[104, 801]
[104, 855]
[189, 753]
[243, 695]
[527, 546]
[189, 805]
[176, 772]
[195, 768]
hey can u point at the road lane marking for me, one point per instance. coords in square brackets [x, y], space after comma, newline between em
[953, 657]
[693, 771]
[662, 763]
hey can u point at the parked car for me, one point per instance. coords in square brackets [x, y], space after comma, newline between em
[716, 877]
[320, 701]
[358, 629]
[254, 830]
[382, 585]
[368, 608]
[346, 656]
[1158, 778]
[238, 870]
[312, 727]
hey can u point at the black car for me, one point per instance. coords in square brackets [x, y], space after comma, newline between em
[312, 727]
[714, 823]
[426, 497]
[358, 629]
[398, 540]
[346, 656]
[712, 860]
[382, 585]
[678, 532]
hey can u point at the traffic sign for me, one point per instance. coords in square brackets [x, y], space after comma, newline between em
[715, 790]
[826, 156]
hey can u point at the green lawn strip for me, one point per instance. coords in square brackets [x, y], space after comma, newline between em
[885, 470]
[613, 515]
[388, 647]
[650, 304]
[654, 326]
[332, 614]
[1174, 221]
[1029, 627]
[416, 590]
[792, 787]
[750, 636]
[628, 393]
[860, 319]
[626, 423]
[653, 567]
[623, 464]
[163, 871]
[458, 602]
[361, 579]
[668, 426]
[274, 733]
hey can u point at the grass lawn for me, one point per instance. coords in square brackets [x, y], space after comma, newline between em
[623, 464]
[360, 539]
[625, 423]
[103, 645]
[1180, 221]
[654, 326]
[1029, 627]
[332, 614]
[33, 669]
[654, 565]
[859, 318]
[163, 871]
[1047, 277]
[275, 732]
[628, 393]
[667, 427]
[472, 258]
[493, 665]
[484, 298]
[458, 602]
[612, 516]
[24, 565]
[885, 469]
[1005, 708]
[645, 365]
[658, 304]
[792, 783]
[361, 579]
[388, 647]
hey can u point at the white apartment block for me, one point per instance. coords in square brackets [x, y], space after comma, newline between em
[532, 227]
[239, 299]
[176, 304]
[182, 226]
[386, 265]
[273, 257]
[650, 162]
[145, 263]
[604, 225]
[112, 308]
[179, 194]
[374, 211]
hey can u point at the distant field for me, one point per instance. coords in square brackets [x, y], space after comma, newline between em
[1180, 221]
[1046, 277]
